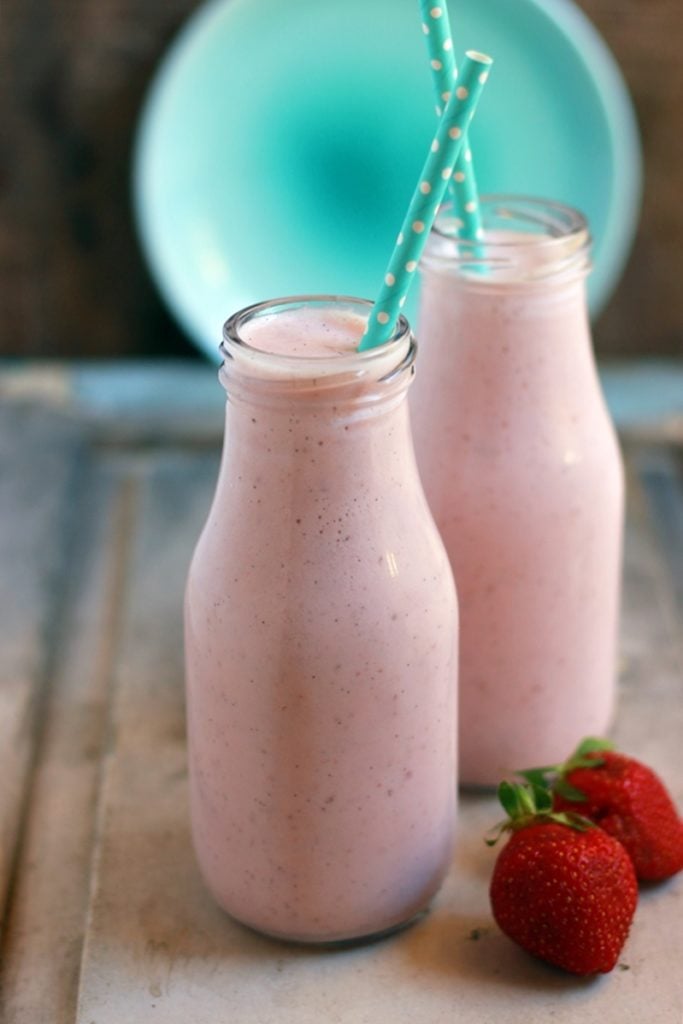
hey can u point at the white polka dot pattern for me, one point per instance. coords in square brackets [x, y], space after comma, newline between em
[462, 185]
[430, 188]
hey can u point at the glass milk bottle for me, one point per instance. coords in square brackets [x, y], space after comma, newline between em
[321, 626]
[521, 468]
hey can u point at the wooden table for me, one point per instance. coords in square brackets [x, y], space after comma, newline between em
[105, 478]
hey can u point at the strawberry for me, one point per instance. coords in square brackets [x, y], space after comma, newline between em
[626, 799]
[562, 889]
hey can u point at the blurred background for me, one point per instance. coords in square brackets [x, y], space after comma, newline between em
[72, 278]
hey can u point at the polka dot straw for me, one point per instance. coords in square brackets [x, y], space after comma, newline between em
[463, 185]
[427, 197]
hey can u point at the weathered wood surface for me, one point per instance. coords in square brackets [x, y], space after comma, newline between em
[178, 401]
[44, 927]
[39, 453]
[72, 78]
[106, 918]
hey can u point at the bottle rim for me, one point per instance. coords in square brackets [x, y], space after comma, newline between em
[384, 363]
[524, 240]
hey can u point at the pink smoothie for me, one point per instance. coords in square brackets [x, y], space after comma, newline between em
[320, 642]
[521, 468]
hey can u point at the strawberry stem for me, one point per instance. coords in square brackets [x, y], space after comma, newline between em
[553, 776]
[530, 804]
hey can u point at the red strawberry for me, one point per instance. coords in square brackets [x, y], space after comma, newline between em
[626, 799]
[562, 889]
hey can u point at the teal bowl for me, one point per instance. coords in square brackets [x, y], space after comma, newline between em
[280, 143]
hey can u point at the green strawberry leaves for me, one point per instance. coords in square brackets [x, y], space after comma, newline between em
[539, 776]
[568, 791]
[590, 745]
[530, 804]
[521, 801]
[554, 776]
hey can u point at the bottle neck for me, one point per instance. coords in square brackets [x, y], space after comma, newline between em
[301, 354]
[504, 328]
[311, 403]
[303, 456]
[529, 314]
[320, 445]
[509, 307]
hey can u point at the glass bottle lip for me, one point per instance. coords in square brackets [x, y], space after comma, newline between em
[525, 239]
[383, 363]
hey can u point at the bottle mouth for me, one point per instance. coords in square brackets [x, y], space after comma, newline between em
[305, 372]
[523, 240]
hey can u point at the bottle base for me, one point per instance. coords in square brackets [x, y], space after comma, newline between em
[479, 788]
[336, 942]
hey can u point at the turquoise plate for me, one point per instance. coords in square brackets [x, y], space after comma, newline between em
[280, 143]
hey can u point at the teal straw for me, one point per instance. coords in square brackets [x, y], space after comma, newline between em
[463, 185]
[427, 197]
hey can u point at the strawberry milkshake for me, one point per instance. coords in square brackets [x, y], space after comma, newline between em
[320, 638]
[521, 468]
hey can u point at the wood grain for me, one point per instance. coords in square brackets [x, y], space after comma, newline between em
[107, 919]
[44, 930]
[39, 454]
[157, 946]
